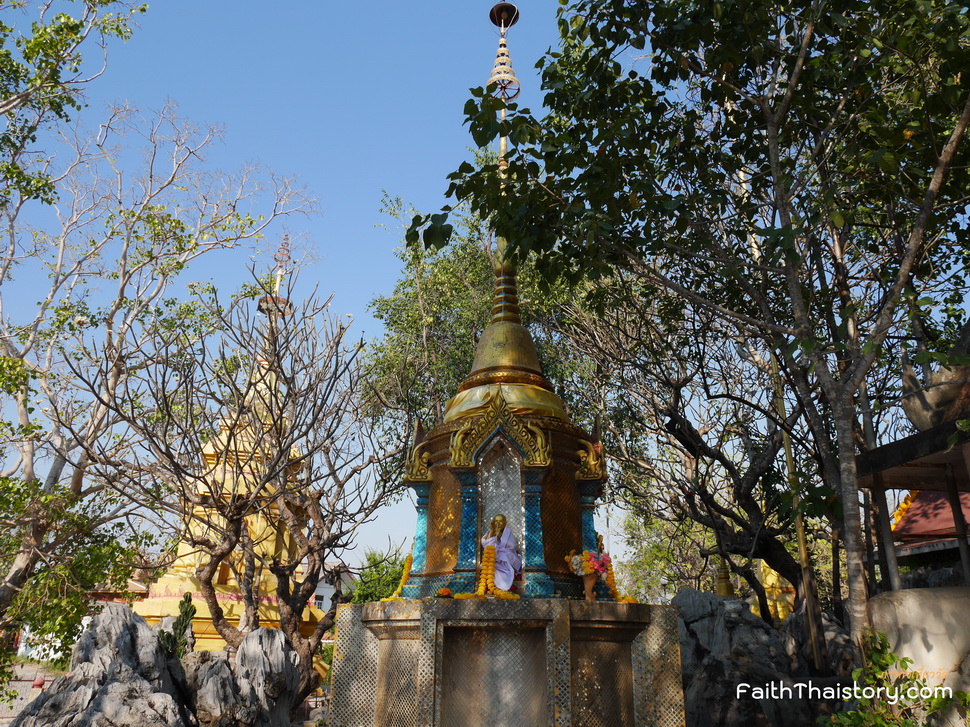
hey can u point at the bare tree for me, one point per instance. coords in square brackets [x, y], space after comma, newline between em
[79, 279]
[257, 439]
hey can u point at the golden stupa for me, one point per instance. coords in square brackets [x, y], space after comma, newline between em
[232, 459]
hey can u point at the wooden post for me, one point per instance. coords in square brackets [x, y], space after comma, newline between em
[959, 522]
[886, 531]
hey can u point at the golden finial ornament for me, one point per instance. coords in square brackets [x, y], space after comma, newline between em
[507, 86]
[419, 463]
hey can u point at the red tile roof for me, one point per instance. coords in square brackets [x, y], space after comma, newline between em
[929, 516]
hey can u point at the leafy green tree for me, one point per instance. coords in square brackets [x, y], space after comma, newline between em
[664, 557]
[439, 307]
[798, 171]
[43, 72]
[379, 577]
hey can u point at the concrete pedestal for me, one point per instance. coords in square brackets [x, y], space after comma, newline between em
[528, 663]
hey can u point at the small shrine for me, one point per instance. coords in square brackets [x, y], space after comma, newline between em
[492, 625]
[506, 448]
[933, 465]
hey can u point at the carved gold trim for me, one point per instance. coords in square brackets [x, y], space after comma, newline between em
[506, 376]
[548, 424]
[533, 442]
[418, 467]
[543, 447]
[591, 463]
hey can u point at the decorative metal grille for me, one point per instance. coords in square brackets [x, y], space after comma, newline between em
[602, 684]
[494, 676]
[354, 670]
[659, 694]
[501, 491]
[397, 694]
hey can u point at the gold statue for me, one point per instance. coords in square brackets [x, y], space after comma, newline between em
[497, 525]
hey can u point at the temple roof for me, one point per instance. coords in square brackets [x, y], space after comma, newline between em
[506, 361]
[928, 515]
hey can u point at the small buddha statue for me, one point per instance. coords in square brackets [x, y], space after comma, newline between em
[508, 562]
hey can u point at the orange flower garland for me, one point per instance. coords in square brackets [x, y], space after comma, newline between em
[486, 579]
[611, 584]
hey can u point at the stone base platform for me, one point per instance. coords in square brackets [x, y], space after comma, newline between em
[528, 663]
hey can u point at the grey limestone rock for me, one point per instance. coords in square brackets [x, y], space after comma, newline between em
[213, 693]
[724, 645]
[268, 677]
[839, 649]
[119, 678]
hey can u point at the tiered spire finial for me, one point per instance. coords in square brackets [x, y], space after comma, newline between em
[282, 258]
[504, 15]
[506, 361]
[276, 305]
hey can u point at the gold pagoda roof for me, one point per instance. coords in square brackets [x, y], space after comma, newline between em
[506, 361]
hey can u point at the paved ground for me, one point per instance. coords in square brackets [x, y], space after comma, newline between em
[22, 685]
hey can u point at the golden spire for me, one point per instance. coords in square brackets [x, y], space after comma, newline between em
[237, 441]
[262, 392]
[506, 362]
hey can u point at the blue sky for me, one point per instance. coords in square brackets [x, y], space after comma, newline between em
[351, 101]
[351, 98]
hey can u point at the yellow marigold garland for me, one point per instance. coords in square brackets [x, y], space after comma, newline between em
[611, 584]
[486, 579]
[396, 596]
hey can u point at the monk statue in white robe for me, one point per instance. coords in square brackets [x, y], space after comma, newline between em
[508, 562]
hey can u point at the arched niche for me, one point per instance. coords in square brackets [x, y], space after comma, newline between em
[501, 488]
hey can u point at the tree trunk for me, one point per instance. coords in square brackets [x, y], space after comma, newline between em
[837, 606]
[857, 605]
[759, 593]
[17, 576]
